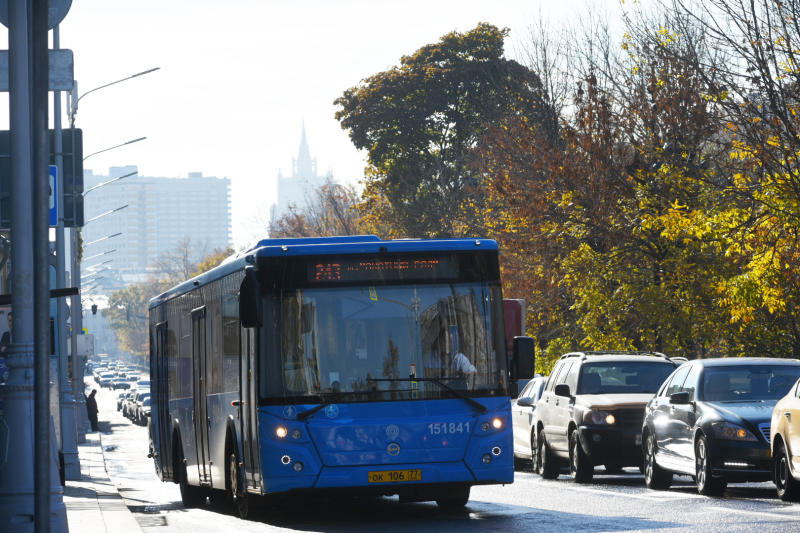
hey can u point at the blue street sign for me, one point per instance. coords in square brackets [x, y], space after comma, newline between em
[53, 195]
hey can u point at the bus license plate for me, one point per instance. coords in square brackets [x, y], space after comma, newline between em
[394, 476]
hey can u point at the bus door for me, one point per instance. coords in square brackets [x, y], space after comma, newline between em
[159, 422]
[249, 410]
[199, 372]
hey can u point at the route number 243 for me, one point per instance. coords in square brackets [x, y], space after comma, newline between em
[439, 428]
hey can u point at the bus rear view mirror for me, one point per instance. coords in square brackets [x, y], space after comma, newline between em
[250, 300]
[524, 354]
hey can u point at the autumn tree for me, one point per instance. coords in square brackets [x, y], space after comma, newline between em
[757, 92]
[583, 221]
[331, 209]
[127, 308]
[420, 123]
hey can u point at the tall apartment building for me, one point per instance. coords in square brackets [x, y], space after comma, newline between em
[297, 188]
[162, 214]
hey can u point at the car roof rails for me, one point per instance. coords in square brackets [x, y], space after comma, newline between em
[583, 355]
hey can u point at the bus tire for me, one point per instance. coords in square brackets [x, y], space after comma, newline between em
[453, 498]
[191, 496]
[238, 492]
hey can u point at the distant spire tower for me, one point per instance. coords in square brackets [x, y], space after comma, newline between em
[304, 166]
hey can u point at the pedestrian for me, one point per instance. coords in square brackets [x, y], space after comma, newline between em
[91, 408]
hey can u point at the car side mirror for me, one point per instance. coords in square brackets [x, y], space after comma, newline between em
[562, 389]
[527, 401]
[679, 398]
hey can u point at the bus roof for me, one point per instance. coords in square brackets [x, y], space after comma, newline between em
[350, 244]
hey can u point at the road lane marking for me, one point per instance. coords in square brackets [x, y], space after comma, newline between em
[754, 513]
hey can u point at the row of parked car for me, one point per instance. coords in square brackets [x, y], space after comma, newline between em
[719, 421]
[114, 376]
[135, 403]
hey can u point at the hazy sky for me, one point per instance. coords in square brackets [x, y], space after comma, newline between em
[238, 77]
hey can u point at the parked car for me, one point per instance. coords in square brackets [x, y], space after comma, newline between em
[121, 382]
[120, 399]
[522, 410]
[785, 442]
[142, 411]
[133, 401]
[105, 379]
[711, 420]
[591, 411]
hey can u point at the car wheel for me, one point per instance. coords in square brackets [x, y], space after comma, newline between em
[707, 484]
[655, 477]
[580, 466]
[454, 498]
[788, 487]
[545, 462]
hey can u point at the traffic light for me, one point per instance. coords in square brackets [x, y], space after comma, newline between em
[94, 309]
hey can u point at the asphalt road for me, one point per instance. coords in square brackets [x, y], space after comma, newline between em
[531, 504]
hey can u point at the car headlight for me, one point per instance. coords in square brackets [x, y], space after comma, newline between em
[726, 430]
[596, 416]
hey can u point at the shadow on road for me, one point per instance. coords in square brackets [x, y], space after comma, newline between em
[388, 514]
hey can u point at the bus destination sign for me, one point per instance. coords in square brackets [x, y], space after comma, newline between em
[347, 270]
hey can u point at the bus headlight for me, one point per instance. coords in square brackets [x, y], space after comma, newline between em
[281, 432]
[497, 423]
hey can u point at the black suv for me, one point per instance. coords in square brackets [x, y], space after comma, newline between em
[592, 409]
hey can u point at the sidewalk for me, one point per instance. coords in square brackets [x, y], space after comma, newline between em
[93, 503]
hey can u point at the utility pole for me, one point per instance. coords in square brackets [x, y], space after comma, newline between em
[69, 429]
[29, 500]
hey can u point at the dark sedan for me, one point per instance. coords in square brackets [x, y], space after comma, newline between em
[711, 420]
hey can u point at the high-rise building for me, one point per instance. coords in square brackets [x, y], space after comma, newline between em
[162, 215]
[304, 180]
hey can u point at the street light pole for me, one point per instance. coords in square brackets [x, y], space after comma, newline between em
[75, 268]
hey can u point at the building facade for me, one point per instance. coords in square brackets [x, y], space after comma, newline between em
[162, 215]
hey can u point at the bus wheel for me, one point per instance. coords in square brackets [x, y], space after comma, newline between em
[190, 496]
[454, 498]
[238, 493]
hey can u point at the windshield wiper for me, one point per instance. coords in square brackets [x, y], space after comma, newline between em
[326, 401]
[477, 405]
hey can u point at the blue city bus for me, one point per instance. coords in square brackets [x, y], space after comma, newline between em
[342, 363]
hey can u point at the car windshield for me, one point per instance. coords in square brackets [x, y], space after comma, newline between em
[364, 343]
[748, 382]
[623, 377]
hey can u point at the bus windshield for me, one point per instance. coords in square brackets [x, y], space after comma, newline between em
[368, 343]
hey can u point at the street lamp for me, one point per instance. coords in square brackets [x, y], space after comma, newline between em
[100, 254]
[115, 146]
[101, 215]
[103, 238]
[97, 264]
[90, 189]
[75, 99]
